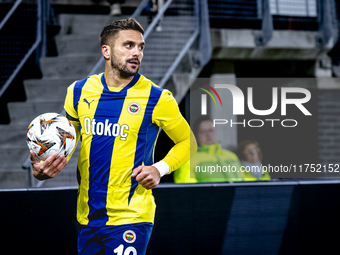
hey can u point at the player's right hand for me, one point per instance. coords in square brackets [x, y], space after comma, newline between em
[147, 176]
[49, 168]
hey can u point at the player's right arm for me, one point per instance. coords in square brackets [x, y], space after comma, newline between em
[49, 168]
[43, 170]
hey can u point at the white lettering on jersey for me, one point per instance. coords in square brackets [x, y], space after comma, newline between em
[105, 128]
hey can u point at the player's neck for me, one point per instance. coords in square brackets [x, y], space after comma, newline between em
[113, 79]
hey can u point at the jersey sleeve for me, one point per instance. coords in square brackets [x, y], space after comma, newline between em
[166, 113]
[69, 104]
[167, 116]
[72, 115]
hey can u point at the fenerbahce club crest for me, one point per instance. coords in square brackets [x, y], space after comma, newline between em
[134, 108]
[129, 236]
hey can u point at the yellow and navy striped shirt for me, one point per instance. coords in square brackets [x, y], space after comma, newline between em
[118, 128]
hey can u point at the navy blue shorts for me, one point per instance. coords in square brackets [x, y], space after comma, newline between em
[129, 239]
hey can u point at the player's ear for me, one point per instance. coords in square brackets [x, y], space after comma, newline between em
[106, 51]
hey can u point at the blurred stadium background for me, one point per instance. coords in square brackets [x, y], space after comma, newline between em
[46, 45]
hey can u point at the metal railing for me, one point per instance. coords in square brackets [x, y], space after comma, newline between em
[180, 56]
[305, 8]
[42, 11]
[10, 13]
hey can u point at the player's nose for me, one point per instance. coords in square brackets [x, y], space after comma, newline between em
[136, 51]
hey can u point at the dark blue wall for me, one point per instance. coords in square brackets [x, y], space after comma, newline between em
[270, 218]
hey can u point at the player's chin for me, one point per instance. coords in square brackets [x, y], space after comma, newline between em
[131, 72]
[134, 70]
[128, 74]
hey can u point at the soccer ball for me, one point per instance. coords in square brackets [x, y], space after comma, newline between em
[49, 133]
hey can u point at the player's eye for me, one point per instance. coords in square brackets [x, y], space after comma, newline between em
[141, 48]
[129, 45]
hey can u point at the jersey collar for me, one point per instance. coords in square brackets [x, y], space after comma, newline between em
[132, 82]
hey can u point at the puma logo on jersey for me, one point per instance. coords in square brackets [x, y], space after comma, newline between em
[88, 103]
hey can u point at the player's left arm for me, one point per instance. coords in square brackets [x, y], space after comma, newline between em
[167, 115]
[55, 163]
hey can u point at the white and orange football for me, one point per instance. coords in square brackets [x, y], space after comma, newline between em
[49, 133]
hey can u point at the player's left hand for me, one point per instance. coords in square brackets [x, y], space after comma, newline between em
[147, 176]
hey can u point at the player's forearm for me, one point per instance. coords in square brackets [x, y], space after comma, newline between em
[185, 146]
[179, 155]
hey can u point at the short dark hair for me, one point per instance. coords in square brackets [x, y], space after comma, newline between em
[118, 25]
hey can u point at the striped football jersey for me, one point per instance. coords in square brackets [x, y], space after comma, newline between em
[118, 128]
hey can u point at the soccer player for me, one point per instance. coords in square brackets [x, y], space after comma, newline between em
[118, 115]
